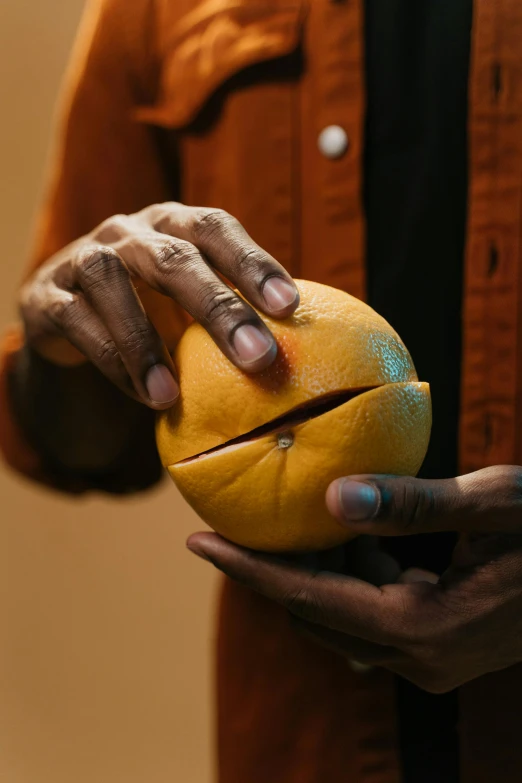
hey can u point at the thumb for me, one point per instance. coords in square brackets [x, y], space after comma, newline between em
[486, 501]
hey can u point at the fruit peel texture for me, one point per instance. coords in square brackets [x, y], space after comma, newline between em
[272, 499]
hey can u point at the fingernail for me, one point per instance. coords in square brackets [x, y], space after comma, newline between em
[161, 386]
[278, 293]
[251, 344]
[359, 502]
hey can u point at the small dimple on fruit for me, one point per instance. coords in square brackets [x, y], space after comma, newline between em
[285, 440]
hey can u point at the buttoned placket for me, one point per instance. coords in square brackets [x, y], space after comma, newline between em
[492, 361]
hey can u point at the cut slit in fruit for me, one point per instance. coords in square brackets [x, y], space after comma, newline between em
[308, 410]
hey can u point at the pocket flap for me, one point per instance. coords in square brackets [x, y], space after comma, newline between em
[212, 43]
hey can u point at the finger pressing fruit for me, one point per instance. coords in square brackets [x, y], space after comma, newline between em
[255, 454]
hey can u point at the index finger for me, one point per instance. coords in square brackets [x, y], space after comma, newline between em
[334, 601]
[230, 250]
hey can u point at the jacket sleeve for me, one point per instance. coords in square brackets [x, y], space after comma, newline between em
[103, 163]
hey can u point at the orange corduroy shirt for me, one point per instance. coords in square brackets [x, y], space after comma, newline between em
[214, 95]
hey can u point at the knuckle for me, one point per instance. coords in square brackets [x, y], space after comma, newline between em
[220, 307]
[64, 312]
[174, 258]
[301, 603]
[112, 229]
[138, 338]
[106, 354]
[209, 222]
[97, 266]
[249, 261]
[159, 214]
[412, 506]
[306, 602]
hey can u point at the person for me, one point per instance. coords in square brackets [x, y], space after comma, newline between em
[376, 147]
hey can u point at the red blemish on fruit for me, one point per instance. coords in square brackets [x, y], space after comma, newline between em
[280, 372]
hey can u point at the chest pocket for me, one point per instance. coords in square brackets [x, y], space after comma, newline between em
[227, 100]
[212, 43]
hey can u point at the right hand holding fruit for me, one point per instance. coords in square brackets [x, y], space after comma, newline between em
[82, 304]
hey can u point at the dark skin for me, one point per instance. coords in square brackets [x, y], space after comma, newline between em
[437, 632]
[93, 360]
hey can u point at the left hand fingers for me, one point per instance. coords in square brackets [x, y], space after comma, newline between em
[487, 501]
[383, 616]
[228, 248]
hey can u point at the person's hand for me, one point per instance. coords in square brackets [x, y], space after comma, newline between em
[83, 303]
[438, 633]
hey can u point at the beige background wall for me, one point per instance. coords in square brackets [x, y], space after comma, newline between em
[105, 620]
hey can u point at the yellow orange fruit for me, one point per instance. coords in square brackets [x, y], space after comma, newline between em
[254, 454]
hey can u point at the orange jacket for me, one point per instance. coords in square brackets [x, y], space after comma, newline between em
[211, 91]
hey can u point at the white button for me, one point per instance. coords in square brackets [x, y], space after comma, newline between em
[333, 142]
[360, 668]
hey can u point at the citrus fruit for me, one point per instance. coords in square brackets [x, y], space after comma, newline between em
[254, 454]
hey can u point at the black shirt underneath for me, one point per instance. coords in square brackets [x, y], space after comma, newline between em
[417, 62]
